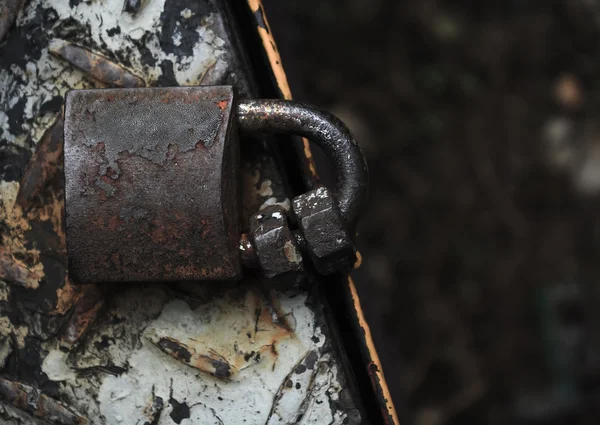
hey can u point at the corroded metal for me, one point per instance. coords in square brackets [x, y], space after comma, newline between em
[151, 177]
[249, 335]
[325, 236]
[247, 252]
[97, 66]
[326, 130]
[16, 272]
[85, 311]
[115, 373]
[151, 185]
[274, 242]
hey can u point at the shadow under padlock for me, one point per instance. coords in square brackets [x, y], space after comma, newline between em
[152, 188]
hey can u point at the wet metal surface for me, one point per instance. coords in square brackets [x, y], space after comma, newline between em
[324, 233]
[324, 129]
[161, 210]
[274, 242]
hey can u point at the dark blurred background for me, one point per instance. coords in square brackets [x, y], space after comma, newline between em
[480, 122]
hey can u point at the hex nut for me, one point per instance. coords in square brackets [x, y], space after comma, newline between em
[327, 240]
[274, 242]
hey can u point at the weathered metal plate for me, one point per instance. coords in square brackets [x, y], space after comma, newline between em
[151, 184]
[111, 361]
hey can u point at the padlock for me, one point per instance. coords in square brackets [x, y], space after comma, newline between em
[152, 187]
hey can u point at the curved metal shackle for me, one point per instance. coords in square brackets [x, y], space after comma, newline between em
[325, 130]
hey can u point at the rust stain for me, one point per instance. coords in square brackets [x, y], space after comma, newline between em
[159, 221]
[374, 368]
[16, 272]
[153, 410]
[37, 404]
[212, 363]
[243, 333]
[67, 296]
[222, 104]
[85, 311]
[97, 66]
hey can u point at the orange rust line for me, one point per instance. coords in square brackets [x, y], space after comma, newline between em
[362, 322]
[272, 53]
[275, 61]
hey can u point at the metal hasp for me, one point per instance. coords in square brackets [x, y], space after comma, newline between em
[324, 129]
[151, 184]
[326, 221]
[152, 187]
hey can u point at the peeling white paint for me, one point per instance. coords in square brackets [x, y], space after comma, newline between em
[56, 368]
[325, 389]
[248, 399]
[117, 371]
[285, 204]
[49, 77]
[265, 188]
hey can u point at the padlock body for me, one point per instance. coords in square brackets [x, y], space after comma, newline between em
[151, 184]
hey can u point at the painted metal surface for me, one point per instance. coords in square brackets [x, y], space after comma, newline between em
[151, 353]
[372, 364]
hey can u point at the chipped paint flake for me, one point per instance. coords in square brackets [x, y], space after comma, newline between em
[56, 368]
[285, 204]
[224, 341]
[265, 189]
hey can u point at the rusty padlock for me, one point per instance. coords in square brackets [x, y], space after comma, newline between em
[152, 187]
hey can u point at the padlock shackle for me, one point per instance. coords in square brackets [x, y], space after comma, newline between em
[323, 129]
